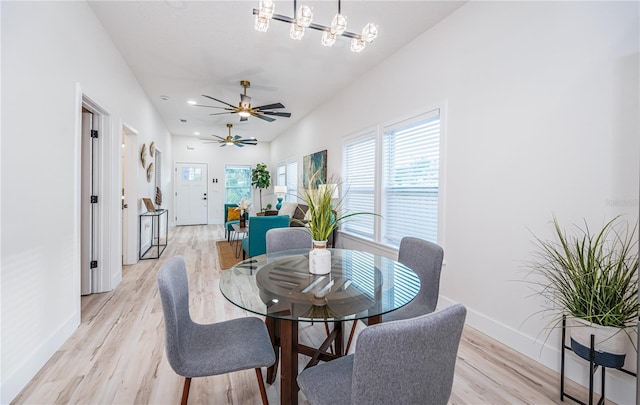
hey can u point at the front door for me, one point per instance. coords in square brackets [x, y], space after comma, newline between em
[191, 193]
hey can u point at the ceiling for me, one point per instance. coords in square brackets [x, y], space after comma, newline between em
[183, 49]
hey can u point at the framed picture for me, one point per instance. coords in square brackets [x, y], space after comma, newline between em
[149, 204]
[314, 163]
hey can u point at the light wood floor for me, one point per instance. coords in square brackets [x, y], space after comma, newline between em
[117, 353]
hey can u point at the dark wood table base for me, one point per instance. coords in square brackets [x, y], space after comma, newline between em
[284, 337]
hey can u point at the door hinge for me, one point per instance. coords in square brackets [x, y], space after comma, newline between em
[94, 199]
[94, 133]
[93, 264]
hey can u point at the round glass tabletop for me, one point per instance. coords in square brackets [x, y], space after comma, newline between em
[360, 285]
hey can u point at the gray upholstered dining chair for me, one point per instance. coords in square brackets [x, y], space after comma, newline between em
[425, 258]
[279, 239]
[200, 350]
[418, 369]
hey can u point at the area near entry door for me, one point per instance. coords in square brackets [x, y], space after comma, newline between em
[191, 193]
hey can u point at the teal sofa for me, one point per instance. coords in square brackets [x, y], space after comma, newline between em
[256, 241]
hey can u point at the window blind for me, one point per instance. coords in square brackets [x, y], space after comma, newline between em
[359, 178]
[411, 175]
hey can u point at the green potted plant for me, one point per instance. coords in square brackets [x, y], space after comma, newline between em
[592, 279]
[260, 179]
[321, 219]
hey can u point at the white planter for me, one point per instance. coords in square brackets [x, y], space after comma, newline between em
[610, 343]
[319, 258]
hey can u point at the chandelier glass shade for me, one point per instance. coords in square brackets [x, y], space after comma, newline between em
[303, 18]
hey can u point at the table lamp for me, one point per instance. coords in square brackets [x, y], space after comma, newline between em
[280, 192]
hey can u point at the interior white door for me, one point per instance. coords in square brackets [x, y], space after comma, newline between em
[191, 193]
[89, 207]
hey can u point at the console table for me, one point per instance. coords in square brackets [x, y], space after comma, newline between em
[160, 244]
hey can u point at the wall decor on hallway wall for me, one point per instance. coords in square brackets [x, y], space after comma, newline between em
[314, 163]
[143, 155]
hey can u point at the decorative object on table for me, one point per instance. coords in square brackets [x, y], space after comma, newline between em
[321, 219]
[314, 166]
[152, 149]
[158, 196]
[231, 140]
[593, 279]
[143, 155]
[244, 205]
[280, 191]
[260, 178]
[149, 204]
[244, 109]
[302, 19]
[149, 172]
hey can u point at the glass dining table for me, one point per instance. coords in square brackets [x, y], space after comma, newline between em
[279, 287]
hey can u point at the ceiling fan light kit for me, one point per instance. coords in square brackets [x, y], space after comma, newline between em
[303, 19]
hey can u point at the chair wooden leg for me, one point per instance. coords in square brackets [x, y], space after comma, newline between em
[263, 392]
[353, 329]
[185, 390]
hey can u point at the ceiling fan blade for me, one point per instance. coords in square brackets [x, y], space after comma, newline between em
[219, 101]
[211, 106]
[270, 106]
[263, 117]
[236, 137]
[245, 101]
[277, 114]
[228, 112]
[239, 145]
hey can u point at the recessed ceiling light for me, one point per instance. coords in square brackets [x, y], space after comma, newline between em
[183, 120]
[192, 102]
[196, 133]
[165, 98]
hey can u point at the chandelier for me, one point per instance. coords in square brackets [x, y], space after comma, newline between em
[302, 20]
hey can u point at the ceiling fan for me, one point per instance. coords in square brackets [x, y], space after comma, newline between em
[231, 140]
[244, 109]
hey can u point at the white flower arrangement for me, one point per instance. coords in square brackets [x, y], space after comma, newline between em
[244, 205]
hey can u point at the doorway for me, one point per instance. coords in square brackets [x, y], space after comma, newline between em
[97, 198]
[129, 195]
[191, 193]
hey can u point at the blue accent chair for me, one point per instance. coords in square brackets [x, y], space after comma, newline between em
[227, 224]
[256, 241]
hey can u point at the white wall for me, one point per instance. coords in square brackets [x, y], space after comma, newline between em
[47, 49]
[542, 117]
[216, 158]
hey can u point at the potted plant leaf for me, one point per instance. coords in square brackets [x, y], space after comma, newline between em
[322, 217]
[260, 178]
[592, 279]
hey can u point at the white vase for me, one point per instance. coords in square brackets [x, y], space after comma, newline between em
[319, 258]
[610, 344]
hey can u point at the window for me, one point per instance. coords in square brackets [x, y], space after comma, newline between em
[237, 183]
[359, 157]
[407, 156]
[287, 175]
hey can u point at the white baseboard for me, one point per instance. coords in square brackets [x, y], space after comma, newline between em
[23, 373]
[620, 387]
